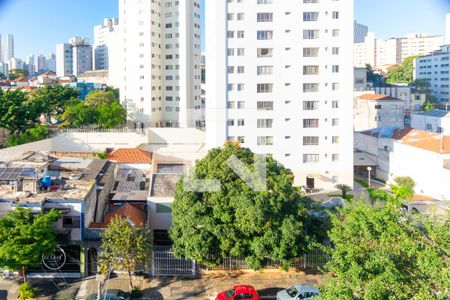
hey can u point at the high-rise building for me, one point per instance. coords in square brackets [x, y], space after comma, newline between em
[160, 72]
[1, 50]
[279, 80]
[361, 32]
[50, 62]
[381, 53]
[30, 65]
[74, 58]
[106, 37]
[8, 47]
[447, 29]
[40, 63]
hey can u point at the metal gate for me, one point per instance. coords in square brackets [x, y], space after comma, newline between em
[164, 263]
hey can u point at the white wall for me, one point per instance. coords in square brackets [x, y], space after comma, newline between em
[366, 116]
[422, 122]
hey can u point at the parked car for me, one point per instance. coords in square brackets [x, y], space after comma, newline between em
[112, 294]
[239, 292]
[297, 292]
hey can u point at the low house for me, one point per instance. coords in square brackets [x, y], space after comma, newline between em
[374, 110]
[414, 99]
[20, 82]
[423, 156]
[433, 121]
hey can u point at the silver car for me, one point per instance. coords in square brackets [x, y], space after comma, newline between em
[299, 291]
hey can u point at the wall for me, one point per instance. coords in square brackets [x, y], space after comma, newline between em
[367, 117]
[420, 121]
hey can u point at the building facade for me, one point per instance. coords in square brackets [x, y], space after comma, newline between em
[278, 82]
[106, 36]
[437, 121]
[160, 71]
[414, 99]
[435, 68]
[8, 47]
[361, 32]
[375, 111]
[74, 58]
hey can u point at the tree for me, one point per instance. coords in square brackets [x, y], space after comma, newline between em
[376, 79]
[405, 181]
[14, 114]
[15, 73]
[111, 115]
[52, 99]
[25, 237]
[98, 98]
[77, 114]
[2, 76]
[237, 221]
[380, 253]
[344, 189]
[125, 247]
[402, 73]
[35, 134]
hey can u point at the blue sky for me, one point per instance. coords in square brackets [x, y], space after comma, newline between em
[38, 25]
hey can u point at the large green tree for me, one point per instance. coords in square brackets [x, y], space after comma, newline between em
[402, 73]
[125, 247]
[51, 99]
[381, 253]
[111, 115]
[77, 114]
[14, 113]
[98, 98]
[237, 220]
[25, 237]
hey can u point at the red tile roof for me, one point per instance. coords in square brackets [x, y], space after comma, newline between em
[131, 156]
[378, 97]
[20, 79]
[422, 198]
[128, 211]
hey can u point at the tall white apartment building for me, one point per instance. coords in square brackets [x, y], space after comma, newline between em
[106, 37]
[364, 53]
[447, 29]
[279, 80]
[50, 62]
[74, 58]
[40, 63]
[435, 68]
[419, 44]
[1, 50]
[161, 57]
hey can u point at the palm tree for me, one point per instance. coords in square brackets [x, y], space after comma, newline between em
[344, 189]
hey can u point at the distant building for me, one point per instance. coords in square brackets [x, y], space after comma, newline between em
[30, 65]
[74, 58]
[414, 99]
[15, 63]
[1, 50]
[106, 37]
[8, 47]
[50, 62]
[360, 79]
[435, 68]
[382, 53]
[40, 63]
[437, 121]
[361, 32]
[447, 29]
[97, 77]
[374, 111]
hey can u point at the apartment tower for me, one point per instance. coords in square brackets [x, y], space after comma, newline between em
[106, 37]
[74, 58]
[161, 74]
[280, 81]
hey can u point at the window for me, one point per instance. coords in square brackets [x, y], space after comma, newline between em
[335, 140]
[265, 17]
[335, 104]
[230, 34]
[264, 1]
[310, 105]
[241, 139]
[310, 87]
[310, 16]
[264, 123]
[310, 123]
[71, 222]
[310, 141]
[241, 104]
[265, 105]
[230, 122]
[378, 106]
[310, 52]
[264, 88]
[241, 69]
[264, 70]
[335, 32]
[241, 122]
[335, 69]
[335, 50]
[310, 70]
[240, 51]
[310, 158]
[310, 34]
[240, 34]
[264, 35]
[335, 86]
[265, 140]
[335, 15]
[335, 122]
[264, 52]
[335, 157]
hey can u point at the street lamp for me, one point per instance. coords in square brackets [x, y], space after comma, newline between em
[369, 169]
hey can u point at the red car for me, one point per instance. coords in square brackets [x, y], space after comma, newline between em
[239, 292]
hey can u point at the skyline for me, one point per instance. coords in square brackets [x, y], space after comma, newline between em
[62, 26]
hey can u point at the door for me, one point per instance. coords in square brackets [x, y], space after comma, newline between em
[310, 182]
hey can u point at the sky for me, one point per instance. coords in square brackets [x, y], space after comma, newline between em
[38, 25]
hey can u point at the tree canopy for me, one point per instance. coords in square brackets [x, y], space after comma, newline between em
[402, 73]
[25, 237]
[381, 253]
[14, 113]
[125, 247]
[237, 221]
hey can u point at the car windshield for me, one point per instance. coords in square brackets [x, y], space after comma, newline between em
[292, 291]
[230, 293]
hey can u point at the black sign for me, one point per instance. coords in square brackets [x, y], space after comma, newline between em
[56, 260]
[65, 259]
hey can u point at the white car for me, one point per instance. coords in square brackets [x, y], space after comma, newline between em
[299, 291]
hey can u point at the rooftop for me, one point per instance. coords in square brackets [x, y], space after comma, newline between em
[378, 97]
[21, 79]
[416, 138]
[131, 156]
[438, 113]
[134, 213]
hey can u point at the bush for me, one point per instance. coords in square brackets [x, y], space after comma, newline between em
[26, 291]
[136, 293]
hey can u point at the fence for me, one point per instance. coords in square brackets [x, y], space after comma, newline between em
[102, 130]
[166, 264]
